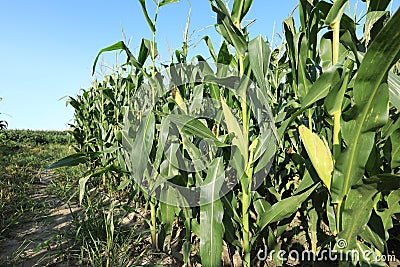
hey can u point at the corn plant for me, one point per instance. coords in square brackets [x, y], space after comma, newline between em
[305, 132]
[358, 104]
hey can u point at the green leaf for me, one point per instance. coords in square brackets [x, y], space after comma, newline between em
[195, 154]
[233, 127]
[385, 182]
[73, 160]
[321, 87]
[313, 226]
[142, 145]
[303, 81]
[380, 5]
[283, 209]
[193, 126]
[117, 46]
[393, 207]
[210, 48]
[240, 9]
[292, 47]
[356, 214]
[145, 49]
[266, 145]
[319, 153]
[211, 215]
[146, 15]
[395, 140]
[334, 100]
[259, 54]
[167, 212]
[166, 2]
[169, 167]
[318, 90]
[371, 108]
[336, 12]
[371, 256]
[306, 181]
[394, 89]
[371, 18]
[227, 28]
[260, 205]
[82, 186]
[374, 232]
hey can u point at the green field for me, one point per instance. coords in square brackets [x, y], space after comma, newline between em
[24, 156]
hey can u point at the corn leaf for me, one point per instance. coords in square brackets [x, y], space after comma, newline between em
[144, 51]
[73, 160]
[142, 145]
[228, 29]
[283, 209]
[356, 214]
[240, 9]
[395, 140]
[166, 2]
[167, 212]
[259, 55]
[394, 89]
[233, 127]
[195, 127]
[303, 81]
[321, 87]
[210, 47]
[359, 205]
[146, 15]
[336, 12]
[117, 46]
[211, 214]
[371, 98]
[334, 100]
[82, 186]
[393, 207]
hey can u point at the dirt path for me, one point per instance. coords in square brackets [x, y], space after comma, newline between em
[38, 241]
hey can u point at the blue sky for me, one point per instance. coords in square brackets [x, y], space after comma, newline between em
[47, 47]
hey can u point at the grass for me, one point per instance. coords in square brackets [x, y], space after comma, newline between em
[21, 163]
[26, 200]
[89, 238]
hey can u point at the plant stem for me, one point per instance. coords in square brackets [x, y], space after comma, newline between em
[338, 211]
[245, 118]
[153, 223]
[336, 131]
[153, 53]
[246, 186]
[310, 119]
[335, 57]
[246, 202]
[246, 225]
[336, 42]
[187, 244]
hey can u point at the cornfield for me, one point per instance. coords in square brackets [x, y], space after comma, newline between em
[252, 146]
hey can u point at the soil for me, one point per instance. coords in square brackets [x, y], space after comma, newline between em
[37, 241]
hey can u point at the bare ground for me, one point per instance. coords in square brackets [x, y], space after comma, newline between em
[38, 241]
